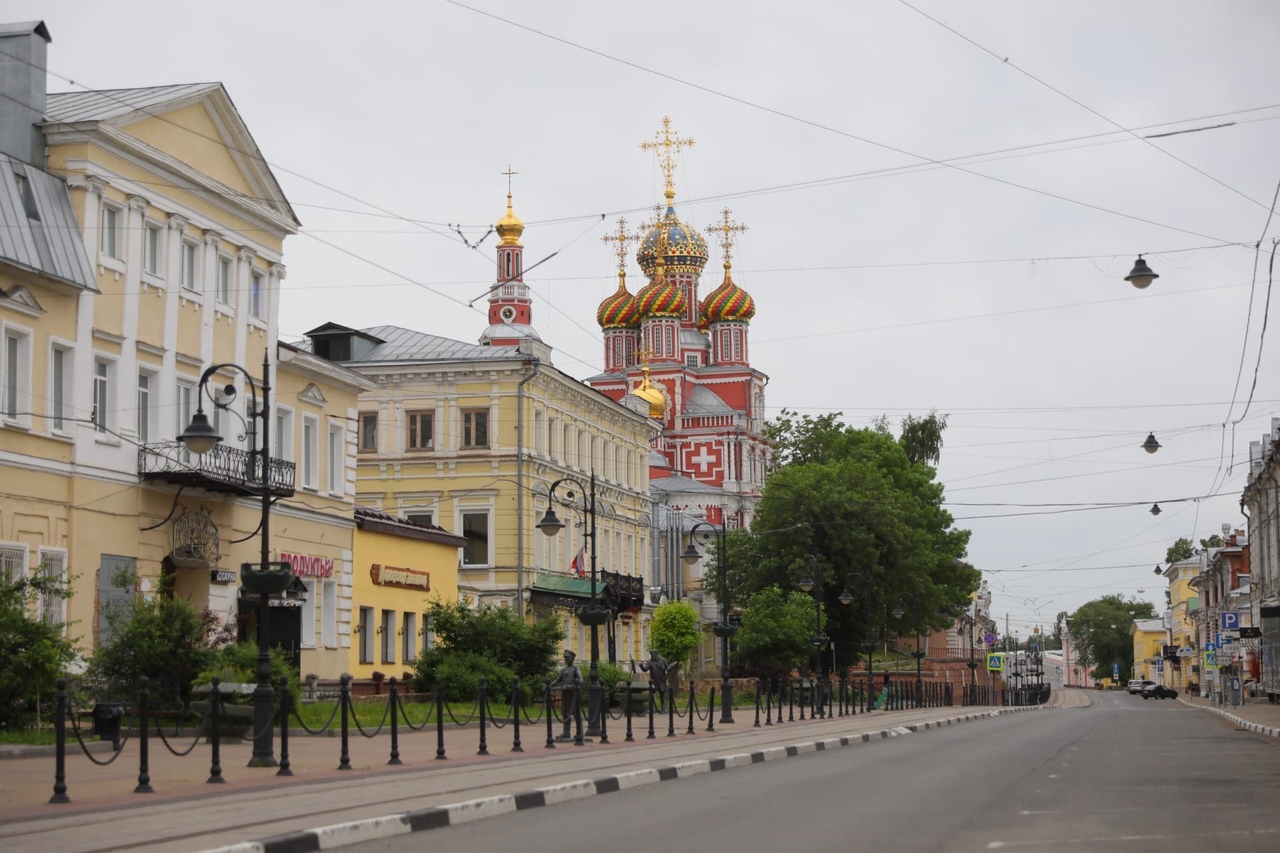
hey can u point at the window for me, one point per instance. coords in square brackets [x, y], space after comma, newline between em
[420, 431]
[187, 272]
[428, 633]
[337, 460]
[224, 280]
[329, 615]
[28, 198]
[408, 637]
[16, 400]
[691, 359]
[111, 221]
[53, 567]
[144, 408]
[365, 628]
[182, 407]
[309, 614]
[310, 452]
[475, 528]
[255, 294]
[151, 250]
[475, 427]
[101, 394]
[420, 518]
[388, 632]
[13, 561]
[282, 435]
[368, 432]
[58, 364]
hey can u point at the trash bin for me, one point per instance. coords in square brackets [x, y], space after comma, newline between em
[107, 717]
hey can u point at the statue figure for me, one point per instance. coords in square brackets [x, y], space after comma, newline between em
[656, 666]
[569, 683]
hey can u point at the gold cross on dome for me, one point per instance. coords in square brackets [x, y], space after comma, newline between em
[726, 229]
[622, 237]
[667, 144]
[509, 173]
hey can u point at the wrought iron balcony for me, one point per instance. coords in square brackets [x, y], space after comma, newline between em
[223, 469]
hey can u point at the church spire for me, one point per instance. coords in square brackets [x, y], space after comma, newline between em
[510, 313]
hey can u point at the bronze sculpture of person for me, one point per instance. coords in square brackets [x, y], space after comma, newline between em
[569, 682]
[656, 666]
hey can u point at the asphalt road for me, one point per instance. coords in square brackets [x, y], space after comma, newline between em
[1122, 775]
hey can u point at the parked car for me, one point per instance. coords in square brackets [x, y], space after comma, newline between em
[1137, 685]
[1158, 691]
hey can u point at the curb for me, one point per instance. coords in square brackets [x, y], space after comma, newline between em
[456, 814]
[1269, 731]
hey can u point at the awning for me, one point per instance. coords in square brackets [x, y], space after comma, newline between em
[555, 589]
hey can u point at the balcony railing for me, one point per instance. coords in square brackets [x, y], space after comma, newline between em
[223, 469]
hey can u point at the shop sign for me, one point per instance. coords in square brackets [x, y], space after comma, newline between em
[306, 566]
[283, 602]
[395, 576]
[222, 576]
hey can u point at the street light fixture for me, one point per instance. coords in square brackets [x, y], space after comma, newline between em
[1141, 276]
[1155, 509]
[592, 615]
[869, 645]
[1151, 445]
[818, 639]
[268, 578]
[722, 629]
[918, 654]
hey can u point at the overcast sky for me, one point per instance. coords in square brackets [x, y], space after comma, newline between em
[943, 199]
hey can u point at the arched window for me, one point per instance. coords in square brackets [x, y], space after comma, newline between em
[508, 255]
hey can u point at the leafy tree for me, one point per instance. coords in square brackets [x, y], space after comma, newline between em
[1179, 550]
[1214, 541]
[775, 630]
[166, 639]
[1100, 633]
[493, 634]
[674, 631]
[871, 512]
[922, 437]
[34, 652]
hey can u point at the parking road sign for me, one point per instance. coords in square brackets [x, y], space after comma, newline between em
[1230, 620]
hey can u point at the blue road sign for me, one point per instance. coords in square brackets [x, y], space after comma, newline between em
[995, 662]
[989, 639]
[1230, 620]
[1115, 672]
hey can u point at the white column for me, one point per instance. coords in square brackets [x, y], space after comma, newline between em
[127, 369]
[82, 358]
[208, 311]
[169, 337]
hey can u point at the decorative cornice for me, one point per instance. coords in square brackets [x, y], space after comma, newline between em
[246, 254]
[278, 271]
[139, 203]
[212, 238]
[22, 300]
[178, 222]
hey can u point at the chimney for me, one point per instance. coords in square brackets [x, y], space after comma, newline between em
[23, 86]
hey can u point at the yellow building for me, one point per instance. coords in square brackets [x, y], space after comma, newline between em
[400, 568]
[471, 437]
[143, 243]
[1149, 638]
[1184, 604]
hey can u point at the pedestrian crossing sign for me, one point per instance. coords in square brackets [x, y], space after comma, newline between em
[995, 662]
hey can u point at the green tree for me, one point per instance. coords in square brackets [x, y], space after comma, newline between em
[35, 652]
[674, 631]
[1214, 541]
[871, 512]
[1180, 550]
[775, 630]
[490, 641]
[1100, 633]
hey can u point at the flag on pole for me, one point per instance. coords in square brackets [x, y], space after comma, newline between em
[579, 564]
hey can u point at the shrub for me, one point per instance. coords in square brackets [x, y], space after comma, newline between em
[34, 652]
[458, 674]
[238, 663]
[499, 634]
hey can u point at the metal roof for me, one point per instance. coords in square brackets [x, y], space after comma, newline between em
[681, 483]
[402, 344]
[38, 227]
[704, 401]
[107, 104]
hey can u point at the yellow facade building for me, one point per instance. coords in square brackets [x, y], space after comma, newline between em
[401, 567]
[1184, 604]
[1149, 638]
[144, 243]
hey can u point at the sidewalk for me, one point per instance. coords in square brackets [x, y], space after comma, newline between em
[184, 813]
[1262, 716]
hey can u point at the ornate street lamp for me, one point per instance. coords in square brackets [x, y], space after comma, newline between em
[818, 638]
[722, 629]
[869, 646]
[918, 654]
[268, 578]
[593, 615]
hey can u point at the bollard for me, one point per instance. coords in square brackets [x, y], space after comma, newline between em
[627, 710]
[671, 711]
[768, 707]
[651, 704]
[802, 701]
[285, 699]
[791, 701]
[577, 717]
[756, 724]
[344, 698]
[604, 716]
[60, 739]
[215, 733]
[483, 700]
[144, 771]
[693, 706]
[547, 712]
[711, 707]
[393, 700]
[440, 756]
[830, 699]
[515, 713]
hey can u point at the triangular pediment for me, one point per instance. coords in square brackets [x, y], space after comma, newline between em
[312, 394]
[22, 299]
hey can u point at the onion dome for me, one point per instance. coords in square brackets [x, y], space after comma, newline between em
[728, 302]
[618, 310]
[685, 250]
[510, 227]
[652, 394]
[660, 298]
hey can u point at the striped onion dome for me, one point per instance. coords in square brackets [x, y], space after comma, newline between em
[618, 310]
[728, 302]
[660, 298]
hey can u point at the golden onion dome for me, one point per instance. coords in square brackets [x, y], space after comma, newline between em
[510, 227]
[652, 394]
[728, 302]
[618, 310]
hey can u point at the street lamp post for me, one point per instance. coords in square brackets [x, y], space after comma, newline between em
[722, 629]
[869, 646]
[818, 639]
[592, 615]
[269, 578]
[918, 654]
